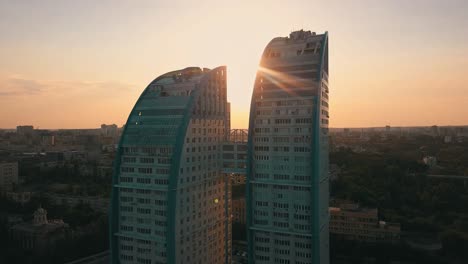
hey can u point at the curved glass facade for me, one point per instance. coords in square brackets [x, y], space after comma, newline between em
[170, 199]
[287, 185]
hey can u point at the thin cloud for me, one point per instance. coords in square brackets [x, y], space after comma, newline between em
[20, 86]
[17, 86]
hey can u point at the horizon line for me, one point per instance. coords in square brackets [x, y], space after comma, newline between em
[340, 127]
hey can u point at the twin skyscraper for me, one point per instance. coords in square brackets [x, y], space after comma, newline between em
[170, 196]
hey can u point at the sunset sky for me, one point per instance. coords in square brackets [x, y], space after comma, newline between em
[78, 64]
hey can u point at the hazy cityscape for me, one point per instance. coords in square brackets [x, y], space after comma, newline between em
[228, 137]
[396, 193]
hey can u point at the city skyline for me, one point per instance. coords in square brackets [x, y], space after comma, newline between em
[78, 65]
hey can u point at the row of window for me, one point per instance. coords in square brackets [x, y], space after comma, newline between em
[200, 148]
[282, 177]
[267, 130]
[284, 103]
[142, 200]
[281, 112]
[145, 170]
[147, 211]
[144, 191]
[208, 122]
[303, 139]
[219, 131]
[148, 150]
[127, 159]
[144, 180]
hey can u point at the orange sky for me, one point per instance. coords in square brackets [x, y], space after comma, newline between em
[78, 65]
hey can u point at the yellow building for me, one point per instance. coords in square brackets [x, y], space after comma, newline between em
[238, 210]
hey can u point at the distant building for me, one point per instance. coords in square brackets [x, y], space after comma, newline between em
[104, 166]
[40, 235]
[235, 152]
[24, 130]
[19, 197]
[98, 204]
[238, 210]
[447, 139]
[13, 219]
[430, 161]
[8, 176]
[434, 130]
[335, 170]
[48, 140]
[109, 130]
[74, 155]
[352, 222]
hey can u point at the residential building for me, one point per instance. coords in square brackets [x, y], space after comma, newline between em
[8, 176]
[25, 130]
[21, 197]
[171, 198]
[97, 203]
[234, 165]
[235, 153]
[238, 210]
[287, 172]
[109, 130]
[352, 222]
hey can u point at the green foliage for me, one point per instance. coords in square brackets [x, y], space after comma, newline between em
[393, 180]
[345, 251]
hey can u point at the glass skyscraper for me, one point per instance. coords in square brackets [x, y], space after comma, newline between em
[287, 185]
[170, 198]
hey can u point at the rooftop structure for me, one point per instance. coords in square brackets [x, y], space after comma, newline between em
[8, 176]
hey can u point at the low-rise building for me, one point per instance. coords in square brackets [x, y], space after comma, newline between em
[98, 204]
[40, 235]
[352, 222]
[19, 197]
[238, 210]
[8, 176]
